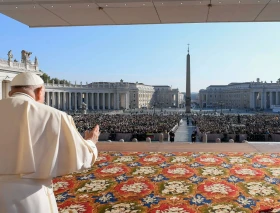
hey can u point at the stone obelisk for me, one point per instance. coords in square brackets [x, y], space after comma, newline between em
[188, 83]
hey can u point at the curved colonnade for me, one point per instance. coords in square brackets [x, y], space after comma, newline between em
[97, 97]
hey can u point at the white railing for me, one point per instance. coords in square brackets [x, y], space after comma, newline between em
[32, 67]
[94, 86]
[17, 65]
[4, 63]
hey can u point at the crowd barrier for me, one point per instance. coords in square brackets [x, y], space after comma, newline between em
[210, 137]
[253, 137]
[129, 136]
[213, 137]
[140, 137]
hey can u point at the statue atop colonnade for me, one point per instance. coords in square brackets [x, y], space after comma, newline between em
[10, 56]
[25, 56]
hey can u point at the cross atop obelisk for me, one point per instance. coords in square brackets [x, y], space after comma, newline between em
[188, 82]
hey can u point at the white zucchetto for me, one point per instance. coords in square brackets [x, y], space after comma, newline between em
[27, 79]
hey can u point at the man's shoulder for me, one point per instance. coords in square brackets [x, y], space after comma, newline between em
[47, 109]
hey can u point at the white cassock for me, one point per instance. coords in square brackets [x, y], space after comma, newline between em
[37, 143]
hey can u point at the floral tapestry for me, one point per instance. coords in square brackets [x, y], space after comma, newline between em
[177, 182]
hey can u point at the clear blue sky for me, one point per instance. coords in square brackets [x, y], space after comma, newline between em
[151, 54]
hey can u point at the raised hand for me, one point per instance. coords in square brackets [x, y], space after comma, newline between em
[93, 135]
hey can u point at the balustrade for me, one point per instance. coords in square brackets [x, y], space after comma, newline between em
[18, 65]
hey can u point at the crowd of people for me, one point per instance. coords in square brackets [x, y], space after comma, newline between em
[254, 126]
[238, 124]
[124, 123]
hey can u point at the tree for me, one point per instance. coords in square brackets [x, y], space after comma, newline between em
[46, 78]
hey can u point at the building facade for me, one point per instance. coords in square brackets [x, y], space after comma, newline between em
[99, 95]
[248, 95]
[165, 96]
[11, 67]
[96, 95]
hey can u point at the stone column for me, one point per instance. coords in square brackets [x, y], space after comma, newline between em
[118, 101]
[58, 101]
[254, 100]
[92, 101]
[81, 99]
[89, 100]
[263, 100]
[115, 101]
[270, 100]
[124, 96]
[75, 100]
[78, 100]
[109, 100]
[69, 101]
[64, 101]
[48, 99]
[251, 100]
[97, 99]
[277, 98]
[86, 99]
[53, 99]
[103, 100]
[126, 101]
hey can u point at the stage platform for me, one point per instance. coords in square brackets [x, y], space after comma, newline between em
[175, 178]
[261, 147]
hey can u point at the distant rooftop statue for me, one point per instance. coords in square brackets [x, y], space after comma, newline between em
[36, 61]
[25, 56]
[84, 105]
[121, 81]
[10, 55]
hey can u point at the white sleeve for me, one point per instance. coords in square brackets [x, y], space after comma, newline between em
[93, 148]
[74, 152]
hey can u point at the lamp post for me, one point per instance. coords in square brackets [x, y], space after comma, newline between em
[215, 106]
[221, 104]
[161, 103]
[259, 100]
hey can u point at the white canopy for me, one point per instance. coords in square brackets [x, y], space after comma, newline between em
[44, 13]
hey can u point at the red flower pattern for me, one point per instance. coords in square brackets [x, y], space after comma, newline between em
[145, 192]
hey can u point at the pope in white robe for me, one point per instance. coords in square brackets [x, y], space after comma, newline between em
[37, 143]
